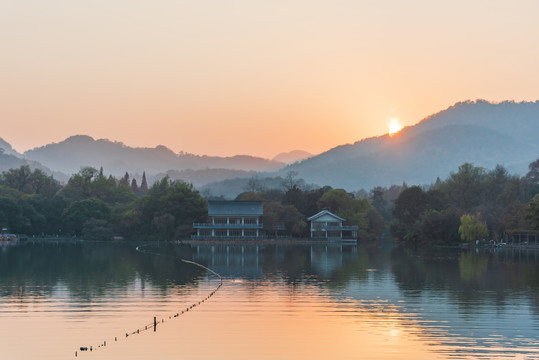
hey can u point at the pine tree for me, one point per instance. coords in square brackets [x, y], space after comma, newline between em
[143, 185]
[134, 186]
[101, 172]
[125, 179]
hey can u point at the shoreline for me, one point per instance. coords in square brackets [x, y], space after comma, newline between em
[286, 241]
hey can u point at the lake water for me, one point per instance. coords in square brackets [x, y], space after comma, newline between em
[276, 302]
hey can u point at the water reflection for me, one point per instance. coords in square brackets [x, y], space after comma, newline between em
[88, 270]
[394, 302]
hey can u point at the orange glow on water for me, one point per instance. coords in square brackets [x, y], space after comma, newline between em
[241, 321]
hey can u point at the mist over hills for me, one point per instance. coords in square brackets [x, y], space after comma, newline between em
[203, 177]
[479, 132]
[116, 158]
[292, 156]
[5, 148]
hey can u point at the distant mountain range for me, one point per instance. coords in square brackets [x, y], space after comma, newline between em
[292, 156]
[116, 158]
[8, 161]
[480, 132]
[483, 133]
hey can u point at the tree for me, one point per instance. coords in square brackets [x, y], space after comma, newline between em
[275, 213]
[89, 184]
[10, 215]
[533, 175]
[439, 226]
[143, 184]
[417, 215]
[125, 179]
[466, 187]
[410, 204]
[168, 209]
[18, 179]
[532, 212]
[355, 211]
[165, 224]
[472, 228]
[306, 201]
[254, 184]
[81, 211]
[289, 181]
[30, 182]
[514, 218]
[97, 229]
[134, 186]
[79, 186]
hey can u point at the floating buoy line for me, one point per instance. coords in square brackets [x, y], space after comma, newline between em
[155, 322]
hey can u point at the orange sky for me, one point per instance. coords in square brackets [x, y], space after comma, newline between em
[253, 77]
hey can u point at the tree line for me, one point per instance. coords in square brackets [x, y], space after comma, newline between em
[471, 203]
[95, 206]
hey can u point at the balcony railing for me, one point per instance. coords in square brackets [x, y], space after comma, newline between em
[226, 226]
[336, 228]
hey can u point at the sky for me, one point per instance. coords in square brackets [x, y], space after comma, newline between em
[222, 77]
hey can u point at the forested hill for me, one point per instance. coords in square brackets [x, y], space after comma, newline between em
[479, 132]
[5, 148]
[69, 155]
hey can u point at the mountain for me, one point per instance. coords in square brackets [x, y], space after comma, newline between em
[231, 188]
[292, 156]
[480, 132]
[116, 158]
[5, 148]
[10, 159]
[200, 178]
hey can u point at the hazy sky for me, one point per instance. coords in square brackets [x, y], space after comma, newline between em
[253, 77]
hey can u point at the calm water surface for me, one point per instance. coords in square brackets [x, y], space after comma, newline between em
[276, 302]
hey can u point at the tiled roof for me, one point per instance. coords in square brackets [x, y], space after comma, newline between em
[231, 208]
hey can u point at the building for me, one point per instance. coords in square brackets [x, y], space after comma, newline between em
[327, 225]
[231, 220]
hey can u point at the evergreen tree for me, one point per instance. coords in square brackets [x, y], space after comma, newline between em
[134, 186]
[125, 179]
[143, 184]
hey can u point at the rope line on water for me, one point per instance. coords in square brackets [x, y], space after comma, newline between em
[155, 322]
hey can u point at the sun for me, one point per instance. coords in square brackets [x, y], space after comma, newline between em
[394, 126]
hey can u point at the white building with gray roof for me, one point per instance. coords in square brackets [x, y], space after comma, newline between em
[231, 220]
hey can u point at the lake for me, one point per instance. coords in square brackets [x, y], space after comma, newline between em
[275, 302]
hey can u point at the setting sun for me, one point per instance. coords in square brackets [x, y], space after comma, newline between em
[394, 126]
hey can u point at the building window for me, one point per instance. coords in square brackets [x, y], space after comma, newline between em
[235, 232]
[220, 233]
